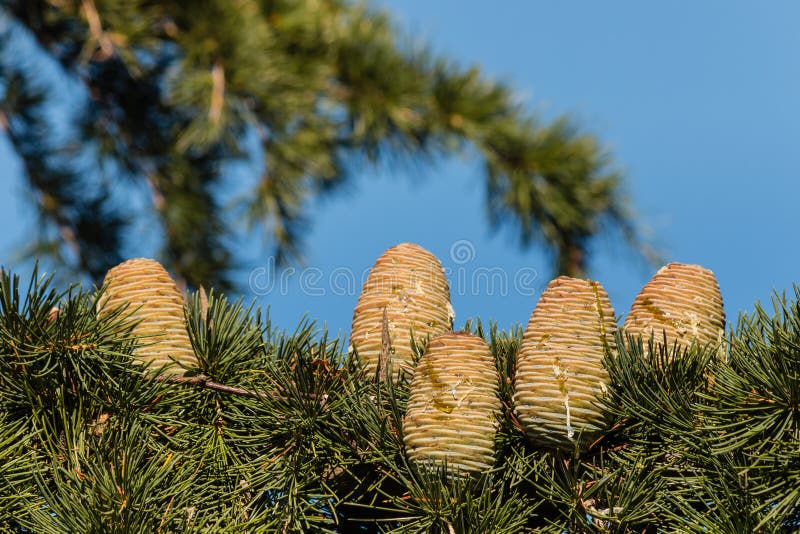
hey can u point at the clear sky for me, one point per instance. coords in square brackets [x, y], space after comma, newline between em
[699, 103]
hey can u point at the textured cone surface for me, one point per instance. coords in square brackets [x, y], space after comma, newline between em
[682, 301]
[560, 371]
[409, 283]
[155, 302]
[453, 406]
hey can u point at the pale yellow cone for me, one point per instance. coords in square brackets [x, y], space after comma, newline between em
[408, 282]
[154, 301]
[560, 372]
[682, 301]
[453, 406]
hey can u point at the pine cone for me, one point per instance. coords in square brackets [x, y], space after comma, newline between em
[453, 407]
[157, 305]
[407, 282]
[682, 301]
[560, 369]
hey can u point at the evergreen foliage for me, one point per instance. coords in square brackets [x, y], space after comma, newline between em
[157, 100]
[284, 432]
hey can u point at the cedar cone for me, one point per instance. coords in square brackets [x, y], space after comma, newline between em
[408, 282]
[684, 303]
[453, 405]
[157, 306]
[560, 369]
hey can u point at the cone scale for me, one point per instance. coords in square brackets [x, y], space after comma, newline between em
[453, 405]
[683, 303]
[407, 288]
[560, 371]
[155, 303]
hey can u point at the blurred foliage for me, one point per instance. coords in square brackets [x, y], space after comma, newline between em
[90, 441]
[163, 97]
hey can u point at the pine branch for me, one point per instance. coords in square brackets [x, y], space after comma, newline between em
[173, 95]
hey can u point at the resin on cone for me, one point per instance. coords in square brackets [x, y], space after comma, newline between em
[560, 371]
[154, 301]
[453, 404]
[683, 302]
[408, 283]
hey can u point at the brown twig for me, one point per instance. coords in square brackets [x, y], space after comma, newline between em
[383, 359]
[203, 382]
[203, 303]
[217, 93]
[96, 29]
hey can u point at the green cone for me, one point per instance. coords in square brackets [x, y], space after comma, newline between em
[407, 284]
[560, 369]
[453, 407]
[157, 305]
[682, 301]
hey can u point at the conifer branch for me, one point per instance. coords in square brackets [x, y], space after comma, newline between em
[332, 86]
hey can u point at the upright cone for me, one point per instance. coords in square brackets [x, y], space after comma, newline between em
[682, 301]
[407, 286]
[560, 369]
[155, 302]
[453, 407]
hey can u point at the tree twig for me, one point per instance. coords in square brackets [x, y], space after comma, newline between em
[383, 358]
[96, 28]
[203, 382]
[217, 93]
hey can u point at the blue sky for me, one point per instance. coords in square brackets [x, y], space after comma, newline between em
[699, 103]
